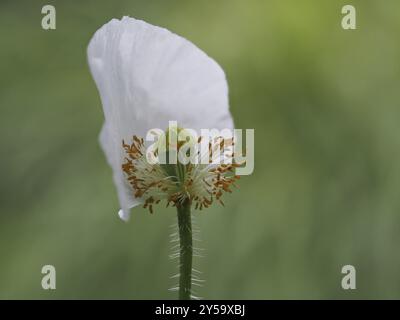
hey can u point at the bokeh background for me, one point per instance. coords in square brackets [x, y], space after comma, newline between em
[324, 103]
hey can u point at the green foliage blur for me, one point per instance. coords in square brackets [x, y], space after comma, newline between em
[324, 103]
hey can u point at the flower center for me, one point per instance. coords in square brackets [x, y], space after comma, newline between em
[201, 183]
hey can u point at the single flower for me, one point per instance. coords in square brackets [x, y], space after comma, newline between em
[146, 77]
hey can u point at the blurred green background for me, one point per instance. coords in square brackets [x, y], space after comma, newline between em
[324, 103]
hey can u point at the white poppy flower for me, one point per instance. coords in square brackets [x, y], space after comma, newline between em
[146, 77]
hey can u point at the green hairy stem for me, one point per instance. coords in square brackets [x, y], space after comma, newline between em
[186, 250]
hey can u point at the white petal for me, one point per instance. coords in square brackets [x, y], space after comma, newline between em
[146, 77]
